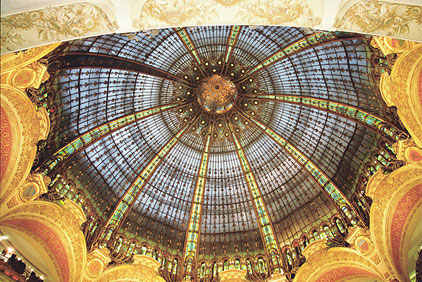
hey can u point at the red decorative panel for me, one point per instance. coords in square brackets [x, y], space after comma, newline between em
[343, 272]
[49, 237]
[420, 87]
[5, 142]
[400, 216]
[415, 156]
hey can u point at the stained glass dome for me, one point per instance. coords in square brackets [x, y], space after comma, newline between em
[210, 143]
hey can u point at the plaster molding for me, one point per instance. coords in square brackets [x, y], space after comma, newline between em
[233, 275]
[402, 89]
[63, 20]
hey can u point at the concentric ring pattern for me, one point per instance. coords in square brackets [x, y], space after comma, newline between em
[101, 79]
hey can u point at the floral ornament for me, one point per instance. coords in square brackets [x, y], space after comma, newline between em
[228, 3]
[375, 17]
[11, 38]
[53, 24]
[276, 12]
[415, 13]
[175, 12]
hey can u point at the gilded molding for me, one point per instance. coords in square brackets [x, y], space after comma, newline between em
[402, 89]
[278, 278]
[408, 151]
[30, 126]
[64, 221]
[328, 259]
[386, 191]
[34, 186]
[19, 59]
[233, 275]
[143, 269]
[54, 265]
[97, 262]
[389, 45]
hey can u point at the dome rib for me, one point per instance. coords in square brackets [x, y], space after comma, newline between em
[135, 189]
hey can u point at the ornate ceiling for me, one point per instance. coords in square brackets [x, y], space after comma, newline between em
[216, 140]
[29, 23]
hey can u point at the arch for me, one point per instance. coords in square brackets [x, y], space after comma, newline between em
[403, 89]
[25, 127]
[395, 214]
[143, 269]
[332, 264]
[11, 142]
[304, 241]
[35, 251]
[55, 227]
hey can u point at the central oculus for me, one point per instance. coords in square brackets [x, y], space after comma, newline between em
[217, 94]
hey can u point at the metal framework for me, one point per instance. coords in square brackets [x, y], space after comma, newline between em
[135, 189]
[86, 140]
[265, 225]
[203, 184]
[300, 45]
[190, 250]
[184, 36]
[89, 60]
[326, 184]
[353, 113]
[231, 43]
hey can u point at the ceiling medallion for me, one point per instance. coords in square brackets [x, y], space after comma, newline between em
[222, 90]
[217, 94]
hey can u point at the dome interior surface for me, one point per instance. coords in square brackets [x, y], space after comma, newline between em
[88, 97]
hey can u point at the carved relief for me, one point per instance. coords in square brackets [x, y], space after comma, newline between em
[143, 269]
[24, 125]
[233, 275]
[53, 24]
[97, 262]
[30, 127]
[403, 90]
[381, 17]
[157, 13]
[329, 265]
[391, 212]
[19, 59]
[59, 228]
[31, 75]
[277, 13]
